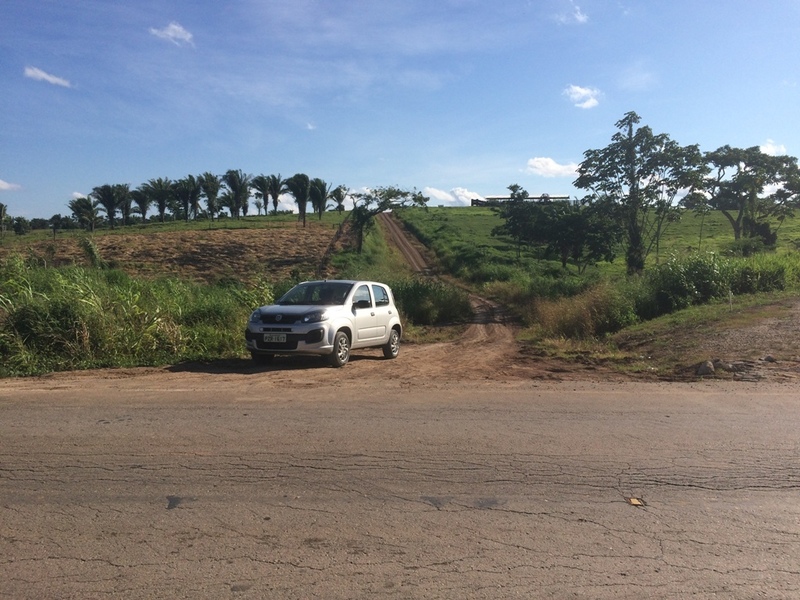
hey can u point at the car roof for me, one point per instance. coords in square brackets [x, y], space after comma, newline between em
[353, 281]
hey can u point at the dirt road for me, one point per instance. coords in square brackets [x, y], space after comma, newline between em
[314, 482]
[459, 470]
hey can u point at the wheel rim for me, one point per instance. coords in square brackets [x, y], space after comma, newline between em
[394, 343]
[342, 349]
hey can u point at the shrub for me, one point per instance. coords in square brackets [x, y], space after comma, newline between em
[427, 302]
[597, 311]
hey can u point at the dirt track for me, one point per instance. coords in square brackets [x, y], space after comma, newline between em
[459, 470]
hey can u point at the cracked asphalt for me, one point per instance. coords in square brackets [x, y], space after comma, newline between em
[238, 485]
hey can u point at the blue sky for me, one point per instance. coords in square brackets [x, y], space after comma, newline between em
[457, 98]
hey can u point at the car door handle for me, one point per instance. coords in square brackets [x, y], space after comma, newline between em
[372, 314]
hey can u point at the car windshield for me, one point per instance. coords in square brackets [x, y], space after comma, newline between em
[320, 293]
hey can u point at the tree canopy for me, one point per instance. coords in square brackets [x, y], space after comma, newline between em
[643, 174]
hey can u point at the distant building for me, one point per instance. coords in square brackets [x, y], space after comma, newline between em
[497, 200]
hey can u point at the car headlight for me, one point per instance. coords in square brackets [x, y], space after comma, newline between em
[315, 316]
[255, 316]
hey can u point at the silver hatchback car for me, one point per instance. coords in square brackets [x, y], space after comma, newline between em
[328, 318]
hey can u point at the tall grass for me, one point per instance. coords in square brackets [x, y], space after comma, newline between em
[678, 283]
[57, 319]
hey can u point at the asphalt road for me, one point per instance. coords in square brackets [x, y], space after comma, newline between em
[190, 486]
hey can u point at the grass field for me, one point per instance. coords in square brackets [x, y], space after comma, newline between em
[177, 291]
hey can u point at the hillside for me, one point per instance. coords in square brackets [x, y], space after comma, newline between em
[204, 255]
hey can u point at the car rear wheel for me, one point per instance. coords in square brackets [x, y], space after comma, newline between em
[262, 359]
[341, 350]
[392, 348]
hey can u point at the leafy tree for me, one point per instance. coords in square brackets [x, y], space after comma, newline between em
[299, 186]
[85, 212]
[584, 234]
[373, 202]
[3, 216]
[319, 193]
[643, 174]
[108, 199]
[581, 233]
[59, 222]
[276, 186]
[517, 217]
[21, 225]
[210, 185]
[748, 187]
[238, 185]
[160, 192]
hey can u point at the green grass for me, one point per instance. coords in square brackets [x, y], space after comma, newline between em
[74, 317]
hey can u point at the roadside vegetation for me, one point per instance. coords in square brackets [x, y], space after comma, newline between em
[662, 228]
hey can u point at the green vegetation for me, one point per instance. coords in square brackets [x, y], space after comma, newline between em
[69, 318]
[557, 302]
[421, 301]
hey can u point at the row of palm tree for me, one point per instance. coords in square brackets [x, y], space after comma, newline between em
[231, 191]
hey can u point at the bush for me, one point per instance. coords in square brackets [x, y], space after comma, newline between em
[602, 309]
[427, 302]
[682, 282]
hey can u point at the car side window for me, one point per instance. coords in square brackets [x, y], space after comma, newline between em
[362, 294]
[381, 295]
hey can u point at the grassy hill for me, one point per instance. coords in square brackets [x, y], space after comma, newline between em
[181, 291]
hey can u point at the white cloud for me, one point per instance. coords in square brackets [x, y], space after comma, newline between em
[773, 149]
[547, 167]
[455, 197]
[9, 187]
[174, 33]
[582, 97]
[575, 15]
[76, 195]
[39, 75]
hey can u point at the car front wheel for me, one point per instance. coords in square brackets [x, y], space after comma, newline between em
[392, 348]
[341, 350]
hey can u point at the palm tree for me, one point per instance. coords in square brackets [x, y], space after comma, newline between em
[210, 185]
[276, 187]
[238, 184]
[260, 184]
[319, 193]
[84, 209]
[108, 198]
[339, 195]
[160, 192]
[142, 200]
[124, 200]
[299, 186]
[187, 192]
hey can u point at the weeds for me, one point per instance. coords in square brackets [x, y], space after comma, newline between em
[56, 319]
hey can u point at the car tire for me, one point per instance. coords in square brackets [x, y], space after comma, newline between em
[341, 350]
[262, 360]
[392, 348]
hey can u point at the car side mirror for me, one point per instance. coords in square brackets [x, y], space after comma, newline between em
[362, 304]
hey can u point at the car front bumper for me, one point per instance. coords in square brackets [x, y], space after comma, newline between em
[314, 339]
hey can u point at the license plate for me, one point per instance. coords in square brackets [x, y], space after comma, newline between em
[274, 338]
